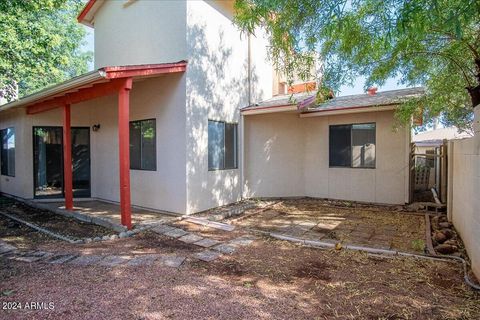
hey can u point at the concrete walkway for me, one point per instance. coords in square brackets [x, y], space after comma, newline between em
[106, 214]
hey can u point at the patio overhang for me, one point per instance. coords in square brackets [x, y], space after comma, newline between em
[102, 82]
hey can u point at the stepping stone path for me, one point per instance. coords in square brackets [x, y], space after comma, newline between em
[211, 224]
[112, 261]
[61, 258]
[145, 260]
[207, 243]
[86, 260]
[207, 255]
[190, 238]
[5, 247]
[172, 261]
[225, 248]
[11, 252]
[215, 248]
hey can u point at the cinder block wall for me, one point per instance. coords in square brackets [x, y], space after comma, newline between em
[464, 188]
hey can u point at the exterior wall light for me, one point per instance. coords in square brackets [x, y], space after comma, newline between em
[96, 127]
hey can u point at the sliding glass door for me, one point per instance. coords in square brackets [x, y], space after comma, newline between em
[48, 162]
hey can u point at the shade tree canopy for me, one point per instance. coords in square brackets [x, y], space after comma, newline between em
[430, 43]
[40, 45]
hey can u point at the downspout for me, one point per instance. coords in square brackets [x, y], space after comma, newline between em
[249, 71]
[242, 119]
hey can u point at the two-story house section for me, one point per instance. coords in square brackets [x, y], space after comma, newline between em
[183, 112]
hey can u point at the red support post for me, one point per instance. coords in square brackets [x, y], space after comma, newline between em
[124, 151]
[67, 158]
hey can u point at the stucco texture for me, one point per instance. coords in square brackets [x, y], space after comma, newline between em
[143, 32]
[162, 98]
[464, 173]
[288, 156]
[217, 87]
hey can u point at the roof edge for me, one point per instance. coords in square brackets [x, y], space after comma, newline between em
[82, 16]
[108, 73]
[57, 88]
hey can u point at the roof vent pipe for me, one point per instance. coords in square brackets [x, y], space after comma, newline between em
[372, 91]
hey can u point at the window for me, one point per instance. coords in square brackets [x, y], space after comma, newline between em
[222, 145]
[352, 145]
[143, 154]
[8, 152]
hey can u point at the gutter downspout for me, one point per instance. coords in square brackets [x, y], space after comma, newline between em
[242, 118]
[249, 66]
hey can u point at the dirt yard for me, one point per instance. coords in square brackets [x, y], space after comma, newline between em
[59, 224]
[268, 279]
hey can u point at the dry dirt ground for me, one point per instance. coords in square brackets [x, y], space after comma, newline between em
[268, 279]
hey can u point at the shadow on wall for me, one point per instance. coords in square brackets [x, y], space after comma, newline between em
[250, 186]
[217, 85]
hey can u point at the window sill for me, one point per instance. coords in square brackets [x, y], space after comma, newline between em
[330, 167]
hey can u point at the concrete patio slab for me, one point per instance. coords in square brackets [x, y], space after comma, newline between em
[105, 214]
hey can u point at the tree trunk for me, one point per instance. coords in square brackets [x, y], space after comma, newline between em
[474, 92]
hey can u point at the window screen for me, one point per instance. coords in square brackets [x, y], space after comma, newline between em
[363, 145]
[352, 145]
[143, 154]
[8, 152]
[222, 145]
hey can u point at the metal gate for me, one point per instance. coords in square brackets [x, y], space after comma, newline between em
[428, 170]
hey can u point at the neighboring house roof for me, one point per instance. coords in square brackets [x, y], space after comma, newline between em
[435, 137]
[305, 102]
[92, 78]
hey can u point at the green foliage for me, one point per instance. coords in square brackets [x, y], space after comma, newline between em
[418, 245]
[432, 43]
[39, 44]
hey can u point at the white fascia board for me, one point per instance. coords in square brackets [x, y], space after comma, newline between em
[346, 111]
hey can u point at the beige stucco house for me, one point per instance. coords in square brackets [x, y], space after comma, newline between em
[182, 113]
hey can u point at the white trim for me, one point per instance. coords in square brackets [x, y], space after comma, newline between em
[261, 110]
[323, 113]
[60, 88]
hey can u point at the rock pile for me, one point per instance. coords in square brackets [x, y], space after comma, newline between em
[444, 237]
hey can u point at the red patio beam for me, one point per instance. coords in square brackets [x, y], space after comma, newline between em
[67, 158]
[144, 70]
[124, 151]
[96, 91]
